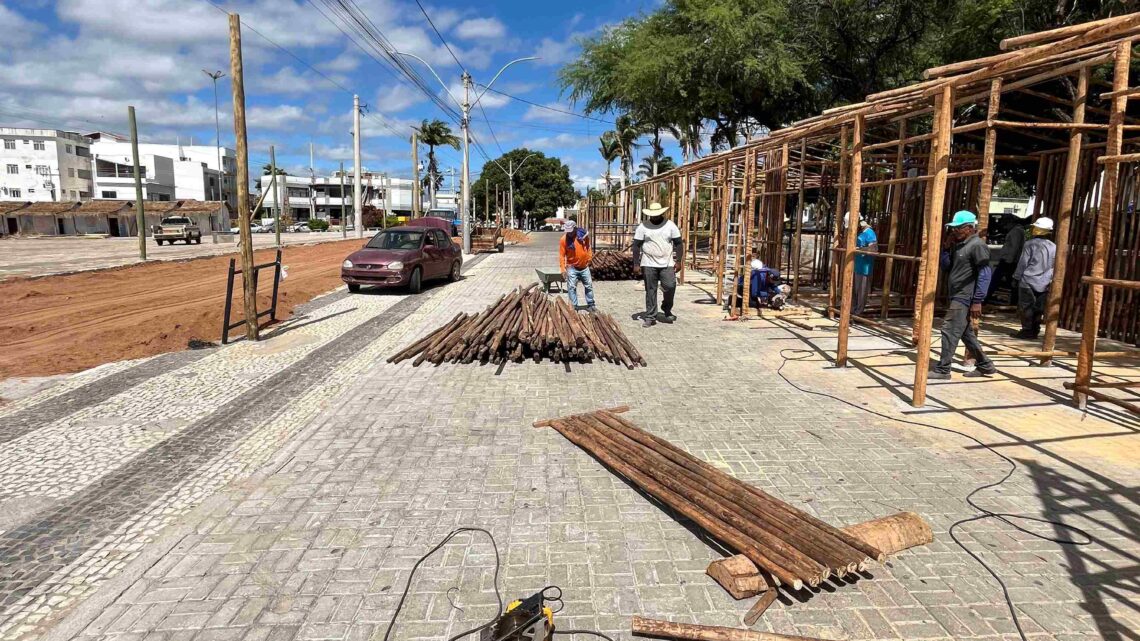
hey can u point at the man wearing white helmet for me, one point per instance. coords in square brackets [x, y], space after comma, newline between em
[1034, 274]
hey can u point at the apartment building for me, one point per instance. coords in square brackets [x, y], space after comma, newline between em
[44, 165]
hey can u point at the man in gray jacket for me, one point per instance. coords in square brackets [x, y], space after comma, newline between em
[1035, 273]
[968, 265]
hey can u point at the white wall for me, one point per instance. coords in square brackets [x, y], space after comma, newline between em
[68, 172]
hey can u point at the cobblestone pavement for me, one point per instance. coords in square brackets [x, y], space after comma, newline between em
[290, 493]
[56, 255]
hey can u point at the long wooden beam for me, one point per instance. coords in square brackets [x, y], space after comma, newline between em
[852, 230]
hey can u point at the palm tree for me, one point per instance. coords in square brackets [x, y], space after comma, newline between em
[650, 167]
[689, 138]
[626, 132]
[434, 134]
[610, 151]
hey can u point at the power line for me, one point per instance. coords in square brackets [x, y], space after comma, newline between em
[546, 107]
[489, 128]
[440, 35]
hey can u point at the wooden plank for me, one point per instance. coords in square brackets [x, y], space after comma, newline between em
[986, 189]
[1103, 226]
[691, 632]
[799, 227]
[762, 604]
[1054, 34]
[848, 278]
[837, 221]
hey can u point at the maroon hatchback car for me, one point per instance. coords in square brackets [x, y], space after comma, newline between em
[403, 257]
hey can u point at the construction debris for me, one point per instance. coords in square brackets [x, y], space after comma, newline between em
[526, 323]
[691, 632]
[893, 533]
[610, 264]
[793, 547]
[738, 575]
[760, 607]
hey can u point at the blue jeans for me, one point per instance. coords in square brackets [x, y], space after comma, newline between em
[573, 275]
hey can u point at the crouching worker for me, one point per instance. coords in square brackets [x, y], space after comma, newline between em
[658, 249]
[574, 254]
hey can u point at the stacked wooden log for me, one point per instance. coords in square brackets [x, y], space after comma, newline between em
[794, 548]
[526, 323]
[610, 264]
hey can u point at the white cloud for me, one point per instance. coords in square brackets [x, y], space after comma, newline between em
[280, 117]
[481, 29]
[396, 98]
[346, 61]
[560, 141]
[553, 52]
[546, 115]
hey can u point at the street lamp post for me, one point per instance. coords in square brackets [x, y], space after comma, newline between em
[511, 180]
[218, 142]
[465, 122]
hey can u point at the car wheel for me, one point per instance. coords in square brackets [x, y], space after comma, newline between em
[198, 240]
[352, 287]
[415, 283]
[454, 275]
[158, 241]
[499, 248]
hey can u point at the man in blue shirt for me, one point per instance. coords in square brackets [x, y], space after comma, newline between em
[862, 285]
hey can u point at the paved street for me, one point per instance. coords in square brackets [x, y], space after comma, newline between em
[62, 254]
[287, 488]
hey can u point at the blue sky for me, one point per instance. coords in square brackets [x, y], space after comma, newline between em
[77, 64]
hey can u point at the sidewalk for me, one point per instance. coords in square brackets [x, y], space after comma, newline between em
[292, 496]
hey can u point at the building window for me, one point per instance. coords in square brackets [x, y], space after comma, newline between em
[68, 148]
[84, 195]
[83, 151]
[110, 194]
[71, 172]
[9, 144]
[38, 145]
[42, 170]
[74, 195]
[31, 191]
[13, 169]
[14, 193]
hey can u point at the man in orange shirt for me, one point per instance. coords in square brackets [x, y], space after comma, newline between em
[574, 254]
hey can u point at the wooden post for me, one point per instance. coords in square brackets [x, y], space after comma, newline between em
[343, 210]
[1103, 223]
[1064, 218]
[896, 212]
[799, 226]
[277, 196]
[417, 198]
[249, 291]
[140, 214]
[928, 283]
[856, 190]
[740, 265]
[986, 189]
[837, 224]
[722, 231]
[782, 206]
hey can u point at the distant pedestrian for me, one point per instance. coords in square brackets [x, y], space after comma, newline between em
[657, 248]
[574, 254]
[967, 261]
[1034, 274]
[861, 287]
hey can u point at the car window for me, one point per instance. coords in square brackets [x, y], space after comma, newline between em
[176, 221]
[441, 239]
[396, 240]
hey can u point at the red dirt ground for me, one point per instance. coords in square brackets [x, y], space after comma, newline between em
[69, 323]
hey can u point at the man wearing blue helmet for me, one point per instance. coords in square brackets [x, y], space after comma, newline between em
[967, 264]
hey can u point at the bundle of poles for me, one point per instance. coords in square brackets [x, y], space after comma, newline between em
[794, 548]
[611, 264]
[526, 323]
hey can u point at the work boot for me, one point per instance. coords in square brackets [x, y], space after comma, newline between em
[978, 372]
[666, 318]
[935, 375]
[592, 309]
[648, 322]
[1024, 335]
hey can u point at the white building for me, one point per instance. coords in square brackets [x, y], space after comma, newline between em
[44, 165]
[322, 194]
[187, 171]
[115, 177]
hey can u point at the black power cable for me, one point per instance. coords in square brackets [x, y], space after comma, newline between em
[1004, 517]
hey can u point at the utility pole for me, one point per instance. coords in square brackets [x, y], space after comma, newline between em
[281, 189]
[357, 205]
[218, 142]
[417, 200]
[385, 181]
[249, 291]
[312, 185]
[486, 199]
[343, 209]
[465, 215]
[140, 216]
[511, 180]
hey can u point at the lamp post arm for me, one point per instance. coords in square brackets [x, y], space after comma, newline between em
[487, 87]
[440, 80]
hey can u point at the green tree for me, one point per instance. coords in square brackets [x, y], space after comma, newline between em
[651, 167]
[435, 134]
[542, 184]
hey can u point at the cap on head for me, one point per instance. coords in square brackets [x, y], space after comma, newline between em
[654, 209]
[963, 217]
[569, 226]
[1044, 223]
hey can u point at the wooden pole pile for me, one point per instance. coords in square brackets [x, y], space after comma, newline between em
[526, 323]
[795, 548]
[610, 264]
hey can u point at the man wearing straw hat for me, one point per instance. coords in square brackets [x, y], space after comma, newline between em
[967, 263]
[655, 243]
[1034, 274]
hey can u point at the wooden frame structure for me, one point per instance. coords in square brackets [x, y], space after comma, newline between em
[907, 158]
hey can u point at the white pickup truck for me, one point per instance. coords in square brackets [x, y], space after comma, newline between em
[174, 228]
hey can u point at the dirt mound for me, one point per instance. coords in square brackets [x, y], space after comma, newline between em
[68, 323]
